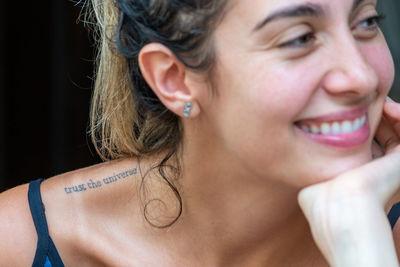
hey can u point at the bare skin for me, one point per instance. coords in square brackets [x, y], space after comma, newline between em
[86, 231]
[105, 227]
[348, 214]
[244, 157]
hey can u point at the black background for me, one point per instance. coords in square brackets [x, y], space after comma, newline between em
[46, 77]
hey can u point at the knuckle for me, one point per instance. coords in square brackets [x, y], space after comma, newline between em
[391, 142]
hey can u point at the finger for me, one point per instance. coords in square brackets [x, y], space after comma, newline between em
[391, 111]
[389, 99]
[342, 228]
[392, 107]
[387, 135]
[377, 150]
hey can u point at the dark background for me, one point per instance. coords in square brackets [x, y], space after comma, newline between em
[45, 87]
[46, 66]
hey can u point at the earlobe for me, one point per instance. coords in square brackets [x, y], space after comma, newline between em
[166, 75]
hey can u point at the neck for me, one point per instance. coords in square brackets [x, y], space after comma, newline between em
[233, 216]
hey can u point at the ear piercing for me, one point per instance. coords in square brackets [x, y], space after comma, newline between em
[188, 109]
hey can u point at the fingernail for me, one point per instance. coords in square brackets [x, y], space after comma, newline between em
[388, 99]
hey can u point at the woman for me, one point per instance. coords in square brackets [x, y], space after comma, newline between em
[217, 114]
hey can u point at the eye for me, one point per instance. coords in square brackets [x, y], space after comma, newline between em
[304, 40]
[371, 23]
[368, 28]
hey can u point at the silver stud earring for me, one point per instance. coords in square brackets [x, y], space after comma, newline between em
[188, 109]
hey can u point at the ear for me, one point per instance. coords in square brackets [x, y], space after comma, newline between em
[166, 75]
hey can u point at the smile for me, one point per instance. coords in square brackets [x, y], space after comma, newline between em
[344, 129]
[335, 127]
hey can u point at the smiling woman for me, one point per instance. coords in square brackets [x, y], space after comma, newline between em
[246, 131]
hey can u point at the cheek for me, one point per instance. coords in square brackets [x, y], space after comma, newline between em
[284, 90]
[381, 60]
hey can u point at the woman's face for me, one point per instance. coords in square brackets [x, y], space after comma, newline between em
[299, 86]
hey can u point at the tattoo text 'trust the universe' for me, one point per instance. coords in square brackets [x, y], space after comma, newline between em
[93, 184]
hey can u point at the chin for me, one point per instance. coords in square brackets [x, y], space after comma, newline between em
[328, 169]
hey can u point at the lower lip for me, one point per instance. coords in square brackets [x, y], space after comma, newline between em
[349, 140]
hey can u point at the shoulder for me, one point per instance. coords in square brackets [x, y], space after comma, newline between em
[18, 236]
[80, 203]
[77, 206]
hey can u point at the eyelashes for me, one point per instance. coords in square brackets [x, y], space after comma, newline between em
[301, 41]
[370, 24]
[373, 22]
[368, 28]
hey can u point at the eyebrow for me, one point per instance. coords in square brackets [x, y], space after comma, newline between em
[308, 9]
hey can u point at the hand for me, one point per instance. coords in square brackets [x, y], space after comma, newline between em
[347, 214]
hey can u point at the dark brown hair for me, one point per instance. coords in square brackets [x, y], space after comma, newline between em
[127, 119]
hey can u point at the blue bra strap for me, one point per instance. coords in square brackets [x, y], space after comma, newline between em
[46, 250]
[394, 214]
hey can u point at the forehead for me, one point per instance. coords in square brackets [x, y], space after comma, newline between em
[252, 10]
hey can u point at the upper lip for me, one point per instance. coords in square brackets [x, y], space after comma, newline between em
[337, 116]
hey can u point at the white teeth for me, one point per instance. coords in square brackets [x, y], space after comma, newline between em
[315, 129]
[325, 128]
[336, 128]
[306, 129]
[363, 120]
[347, 127]
[356, 124]
[344, 127]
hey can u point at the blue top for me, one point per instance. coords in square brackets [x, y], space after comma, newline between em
[46, 252]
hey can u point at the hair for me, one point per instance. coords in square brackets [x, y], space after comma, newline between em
[127, 118]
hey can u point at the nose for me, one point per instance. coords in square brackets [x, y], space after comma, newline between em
[349, 73]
